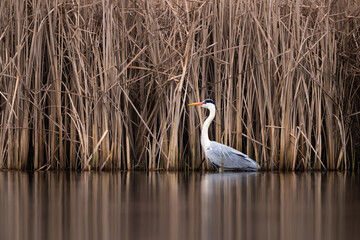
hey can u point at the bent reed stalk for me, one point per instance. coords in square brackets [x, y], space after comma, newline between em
[104, 84]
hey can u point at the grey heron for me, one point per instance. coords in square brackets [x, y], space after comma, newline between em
[220, 155]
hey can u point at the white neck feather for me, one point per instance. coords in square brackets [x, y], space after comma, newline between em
[205, 141]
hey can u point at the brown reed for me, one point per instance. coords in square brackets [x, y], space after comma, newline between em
[104, 84]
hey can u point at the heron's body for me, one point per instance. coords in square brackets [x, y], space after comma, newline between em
[220, 155]
[224, 156]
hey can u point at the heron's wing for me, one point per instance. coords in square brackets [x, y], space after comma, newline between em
[222, 155]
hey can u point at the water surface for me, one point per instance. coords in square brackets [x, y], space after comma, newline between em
[158, 205]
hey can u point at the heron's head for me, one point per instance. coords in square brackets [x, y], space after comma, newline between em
[208, 103]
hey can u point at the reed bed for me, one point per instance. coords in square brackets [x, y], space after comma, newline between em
[105, 84]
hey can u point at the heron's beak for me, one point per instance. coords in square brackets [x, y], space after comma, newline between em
[195, 104]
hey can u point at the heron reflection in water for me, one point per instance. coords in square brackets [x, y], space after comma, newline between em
[220, 155]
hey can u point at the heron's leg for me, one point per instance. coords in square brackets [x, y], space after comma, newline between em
[221, 168]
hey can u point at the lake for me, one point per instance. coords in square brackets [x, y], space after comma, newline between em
[168, 205]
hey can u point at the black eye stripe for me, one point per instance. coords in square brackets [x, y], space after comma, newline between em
[209, 101]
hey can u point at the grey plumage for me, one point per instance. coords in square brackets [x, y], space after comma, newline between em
[231, 159]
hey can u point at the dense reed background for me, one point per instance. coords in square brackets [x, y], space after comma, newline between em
[105, 84]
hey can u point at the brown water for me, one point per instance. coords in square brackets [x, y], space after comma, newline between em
[133, 205]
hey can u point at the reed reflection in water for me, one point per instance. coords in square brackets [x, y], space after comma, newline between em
[133, 205]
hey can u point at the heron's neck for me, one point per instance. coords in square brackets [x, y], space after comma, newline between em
[205, 141]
